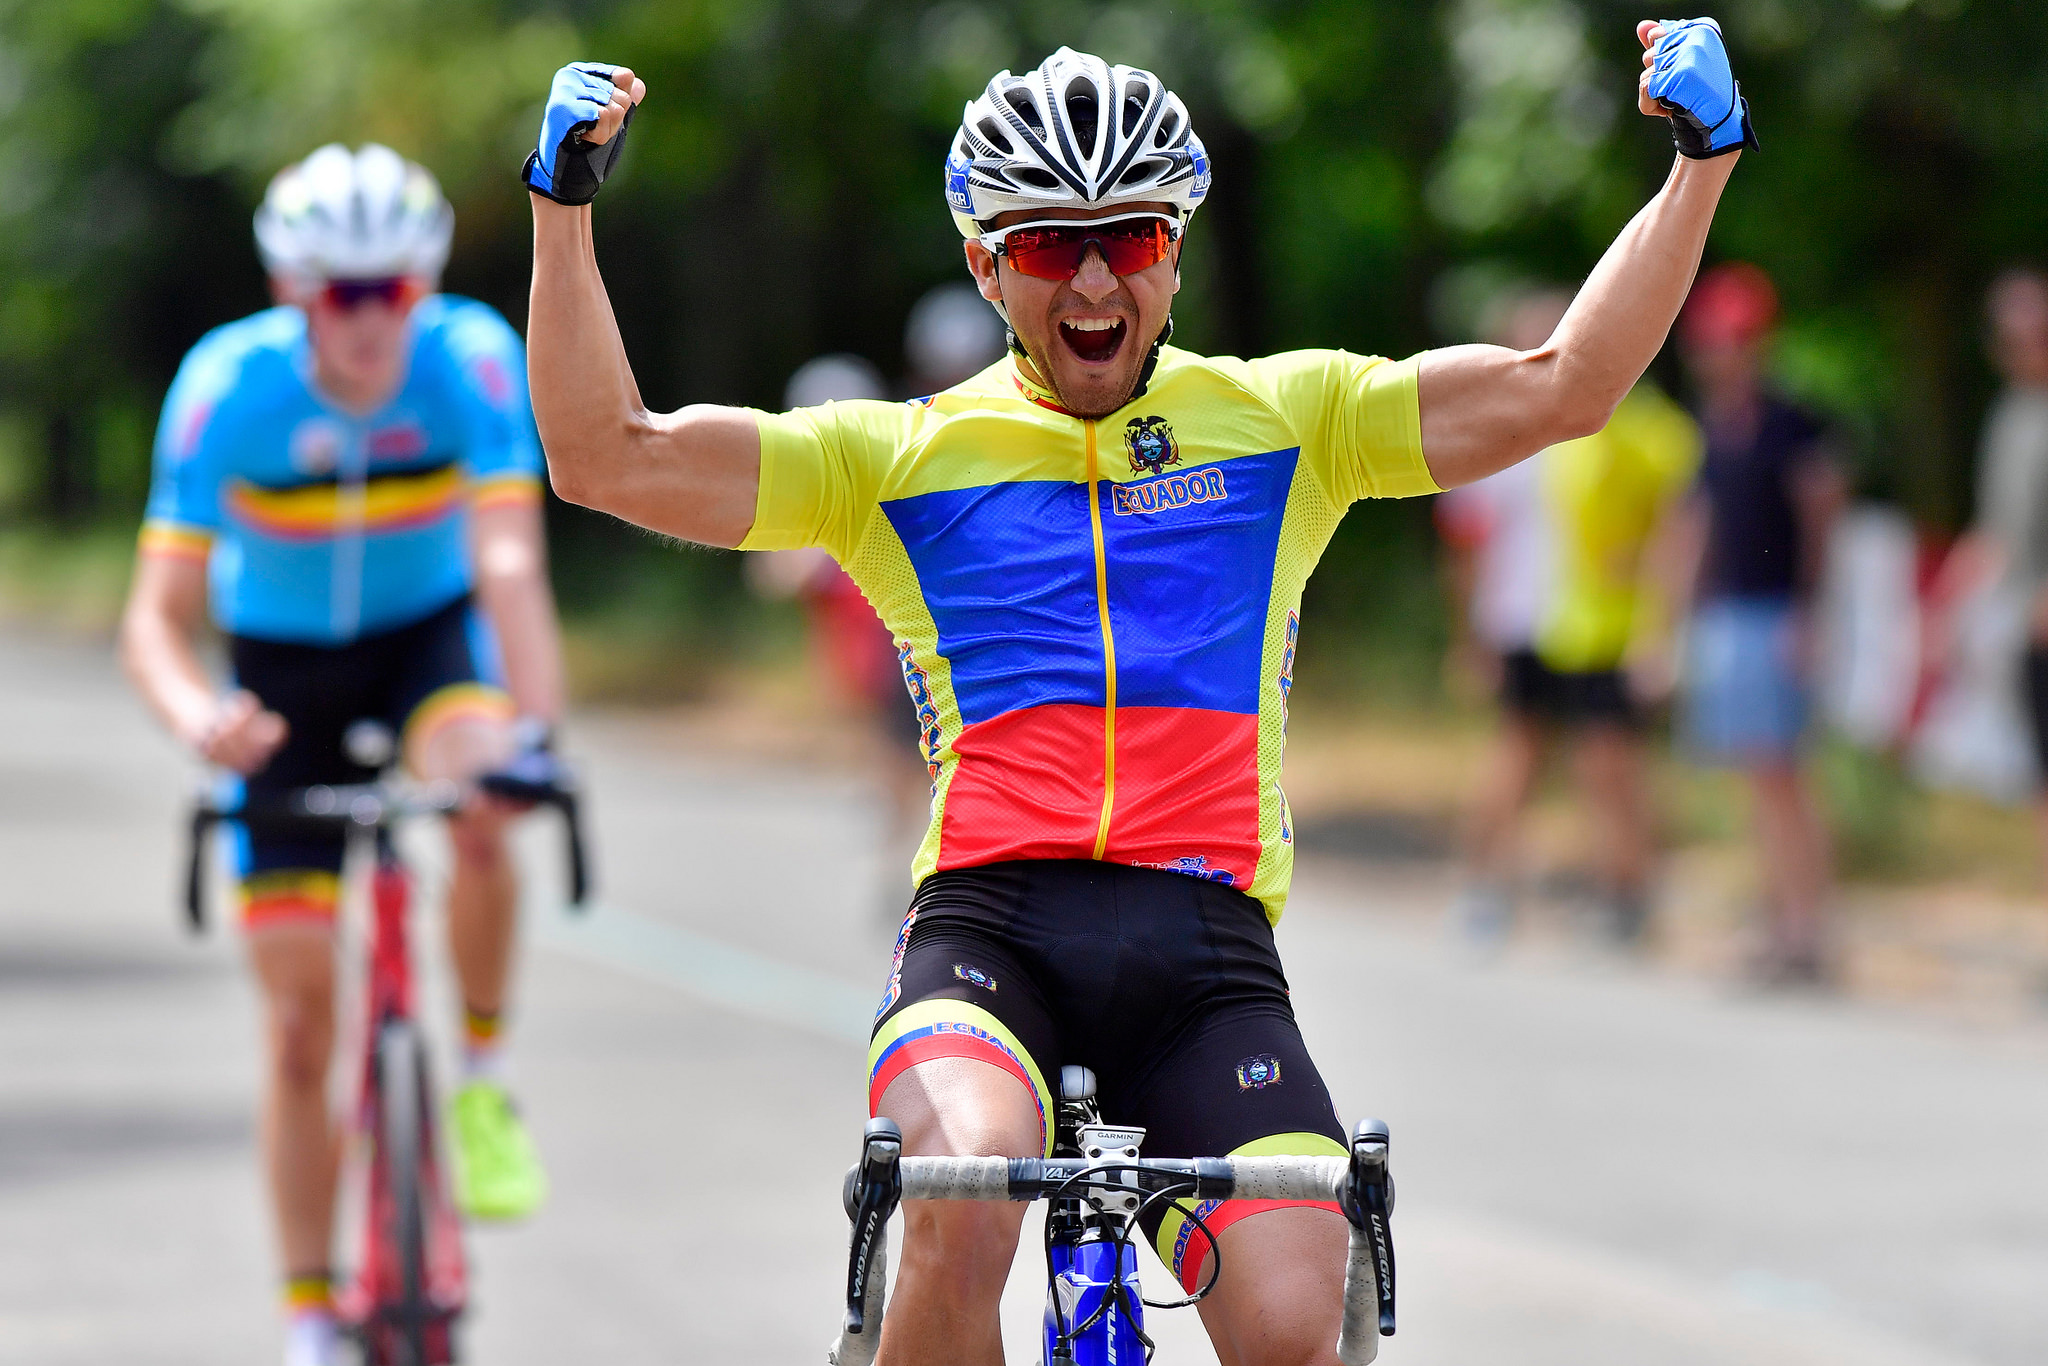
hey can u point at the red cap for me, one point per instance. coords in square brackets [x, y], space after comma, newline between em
[1730, 305]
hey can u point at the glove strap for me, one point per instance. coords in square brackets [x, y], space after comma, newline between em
[1696, 141]
[580, 167]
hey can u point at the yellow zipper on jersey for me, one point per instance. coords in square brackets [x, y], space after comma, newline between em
[1108, 643]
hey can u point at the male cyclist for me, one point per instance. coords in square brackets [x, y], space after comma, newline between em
[1092, 554]
[350, 479]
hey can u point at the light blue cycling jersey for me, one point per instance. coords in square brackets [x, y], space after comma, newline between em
[319, 526]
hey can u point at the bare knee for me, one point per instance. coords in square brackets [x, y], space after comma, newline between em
[959, 1107]
[1280, 1294]
[301, 1039]
[478, 838]
[961, 1248]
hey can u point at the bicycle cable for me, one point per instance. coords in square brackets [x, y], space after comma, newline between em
[1117, 1290]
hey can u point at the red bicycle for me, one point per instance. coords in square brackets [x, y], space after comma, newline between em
[410, 1283]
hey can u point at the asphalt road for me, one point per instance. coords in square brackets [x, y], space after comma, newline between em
[1597, 1164]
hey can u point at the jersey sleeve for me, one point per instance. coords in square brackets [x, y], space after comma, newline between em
[1357, 418]
[187, 463]
[822, 470]
[501, 447]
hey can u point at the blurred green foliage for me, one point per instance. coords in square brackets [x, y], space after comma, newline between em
[1380, 167]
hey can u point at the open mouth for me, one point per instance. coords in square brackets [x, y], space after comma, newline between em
[1094, 340]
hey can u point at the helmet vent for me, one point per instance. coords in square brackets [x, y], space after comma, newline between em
[1141, 172]
[1026, 110]
[1082, 113]
[994, 136]
[1035, 178]
[1167, 127]
[1135, 101]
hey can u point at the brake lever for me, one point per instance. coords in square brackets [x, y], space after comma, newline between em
[204, 817]
[559, 793]
[1367, 1200]
[874, 1187]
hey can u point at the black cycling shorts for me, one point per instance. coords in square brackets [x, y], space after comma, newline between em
[1531, 688]
[1168, 986]
[414, 679]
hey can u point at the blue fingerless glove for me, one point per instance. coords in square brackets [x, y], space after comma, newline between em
[1690, 77]
[564, 167]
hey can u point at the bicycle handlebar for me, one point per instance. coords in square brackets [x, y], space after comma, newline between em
[324, 808]
[1359, 1185]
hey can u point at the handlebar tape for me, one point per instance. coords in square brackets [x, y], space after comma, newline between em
[997, 1178]
[956, 1178]
[1358, 1337]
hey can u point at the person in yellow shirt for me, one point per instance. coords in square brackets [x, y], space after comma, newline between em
[1552, 562]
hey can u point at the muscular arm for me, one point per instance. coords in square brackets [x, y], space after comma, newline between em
[1486, 407]
[510, 551]
[692, 474]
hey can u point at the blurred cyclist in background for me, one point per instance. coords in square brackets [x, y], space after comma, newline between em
[351, 481]
[1550, 558]
[2006, 550]
[1766, 501]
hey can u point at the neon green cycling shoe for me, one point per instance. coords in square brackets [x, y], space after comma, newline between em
[497, 1173]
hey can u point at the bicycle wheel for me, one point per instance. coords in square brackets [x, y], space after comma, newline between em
[400, 1091]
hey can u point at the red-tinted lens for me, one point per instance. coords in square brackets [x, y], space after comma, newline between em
[349, 294]
[1055, 252]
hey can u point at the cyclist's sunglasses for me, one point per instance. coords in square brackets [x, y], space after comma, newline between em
[347, 295]
[1055, 250]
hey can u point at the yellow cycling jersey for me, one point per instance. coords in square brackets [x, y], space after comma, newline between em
[1097, 618]
[1605, 494]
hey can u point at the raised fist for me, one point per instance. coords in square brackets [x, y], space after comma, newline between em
[581, 131]
[1686, 78]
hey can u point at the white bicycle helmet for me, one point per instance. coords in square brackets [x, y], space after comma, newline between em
[364, 215]
[1076, 133]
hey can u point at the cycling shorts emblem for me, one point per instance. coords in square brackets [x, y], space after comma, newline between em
[974, 976]
[1164, 495]
[1151, 444]
[1257, 1073]
[1193, 865]
[894, 991]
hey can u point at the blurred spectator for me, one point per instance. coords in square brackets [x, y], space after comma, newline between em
[2002, 561]
[952, 334]
[1549, 558]
[1767, 497]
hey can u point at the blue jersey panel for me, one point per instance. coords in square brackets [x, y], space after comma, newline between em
[1008, 572]
[1191, 558]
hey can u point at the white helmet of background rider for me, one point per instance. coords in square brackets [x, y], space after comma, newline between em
[363, 215]
[1077, 133]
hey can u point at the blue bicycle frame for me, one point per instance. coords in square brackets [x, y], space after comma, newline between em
[1098, 1302]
